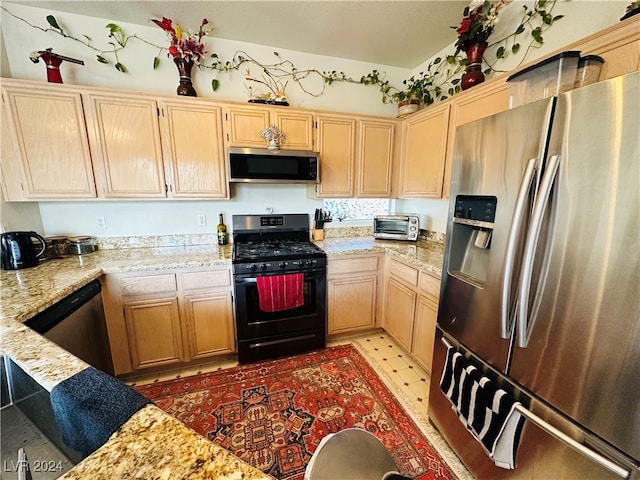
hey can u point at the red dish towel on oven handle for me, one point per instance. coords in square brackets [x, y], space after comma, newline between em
[280, 292]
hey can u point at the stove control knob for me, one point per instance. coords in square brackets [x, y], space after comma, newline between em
[282, 265]
[263, 266]
[309, 262]
[253, 267]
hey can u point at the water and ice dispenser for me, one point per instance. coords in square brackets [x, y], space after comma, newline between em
[471, 232]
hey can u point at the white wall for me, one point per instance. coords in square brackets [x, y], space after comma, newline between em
[20, 216]
[21, 40]
[171, 217]
[583, 17]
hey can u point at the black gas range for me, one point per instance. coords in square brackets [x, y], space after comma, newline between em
[280, 286]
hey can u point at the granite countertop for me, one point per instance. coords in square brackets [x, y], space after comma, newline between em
[423, 255]
[150, 443]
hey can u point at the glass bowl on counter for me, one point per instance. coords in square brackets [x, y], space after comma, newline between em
[82, 245]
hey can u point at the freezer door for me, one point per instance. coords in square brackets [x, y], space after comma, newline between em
[491, 159]
[581, 321]
[540, 455]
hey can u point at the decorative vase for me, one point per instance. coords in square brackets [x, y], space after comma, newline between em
[184, 68]
[474, 74]
[273, 145]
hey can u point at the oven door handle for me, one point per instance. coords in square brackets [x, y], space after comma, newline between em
[247, 280]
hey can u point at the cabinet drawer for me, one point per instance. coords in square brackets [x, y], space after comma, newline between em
[208, 279]
[429, 285]
[352, 265]
[405, 273]
[148, 284]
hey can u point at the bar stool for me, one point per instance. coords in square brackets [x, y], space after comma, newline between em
[352, 453]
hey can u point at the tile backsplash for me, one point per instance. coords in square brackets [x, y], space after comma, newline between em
[153, 241]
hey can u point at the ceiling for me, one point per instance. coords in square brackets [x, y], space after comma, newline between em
[400, 33]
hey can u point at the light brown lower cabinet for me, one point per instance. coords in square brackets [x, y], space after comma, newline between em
[352, 293]
[424, 331]
[158, 319]
[153, 331]
[411, 309]
[399, 310]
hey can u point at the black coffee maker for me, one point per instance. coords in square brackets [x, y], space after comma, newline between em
[19, 250]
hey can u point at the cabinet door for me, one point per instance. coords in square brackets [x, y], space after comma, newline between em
[13, 185]
[336, 144]
[48, 130]
[125, 142]
[423, 153]
[424, 331]
[352, 302]
[468, 107]
[399, 310]
[209, 322]
[153, 331]
[297, 126]
[193, 150]
[244, 125]
[376, 147]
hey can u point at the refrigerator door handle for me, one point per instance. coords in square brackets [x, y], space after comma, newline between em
[539, 209]
[514, 235]
[570, 442]
[563, 437]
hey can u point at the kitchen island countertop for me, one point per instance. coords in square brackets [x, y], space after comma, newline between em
[151, 443]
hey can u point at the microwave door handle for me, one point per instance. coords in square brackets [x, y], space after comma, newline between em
[506, 323]
[525, 325]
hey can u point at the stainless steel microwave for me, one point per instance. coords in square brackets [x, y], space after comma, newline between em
[273, 166]
[396, 227]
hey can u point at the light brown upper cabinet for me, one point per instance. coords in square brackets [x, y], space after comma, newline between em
[148, 148]
[376, 148]
[125, 145]
[337, 147]
[424, 148]
[356, 155]
[193, 149]
[46, 153]
[244, 125]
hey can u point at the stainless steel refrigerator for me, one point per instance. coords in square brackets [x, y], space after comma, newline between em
[541, 280]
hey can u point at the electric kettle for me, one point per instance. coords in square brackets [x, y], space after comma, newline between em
[19, 251]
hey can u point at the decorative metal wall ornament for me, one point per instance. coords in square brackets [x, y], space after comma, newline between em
[274, 135]
[53, 61]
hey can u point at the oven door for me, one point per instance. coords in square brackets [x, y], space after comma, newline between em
[253, 323]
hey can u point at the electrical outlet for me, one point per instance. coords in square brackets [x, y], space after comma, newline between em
[202, 220]
[102, 223]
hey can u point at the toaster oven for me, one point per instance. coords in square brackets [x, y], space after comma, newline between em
[396, 227]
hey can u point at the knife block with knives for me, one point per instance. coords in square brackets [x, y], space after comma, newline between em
[319, 219]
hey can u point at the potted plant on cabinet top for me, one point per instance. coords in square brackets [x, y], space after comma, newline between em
[409, 99]
[632, 9]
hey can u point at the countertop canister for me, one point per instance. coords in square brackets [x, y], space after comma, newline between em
[82, 245]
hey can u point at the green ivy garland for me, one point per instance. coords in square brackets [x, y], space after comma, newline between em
[440, 80]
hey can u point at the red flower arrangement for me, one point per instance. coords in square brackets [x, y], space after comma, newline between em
[479, 20]
[188, 47]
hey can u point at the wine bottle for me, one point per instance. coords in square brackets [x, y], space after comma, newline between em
[223, 236]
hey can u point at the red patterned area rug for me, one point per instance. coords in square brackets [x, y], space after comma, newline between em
[273, 414]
